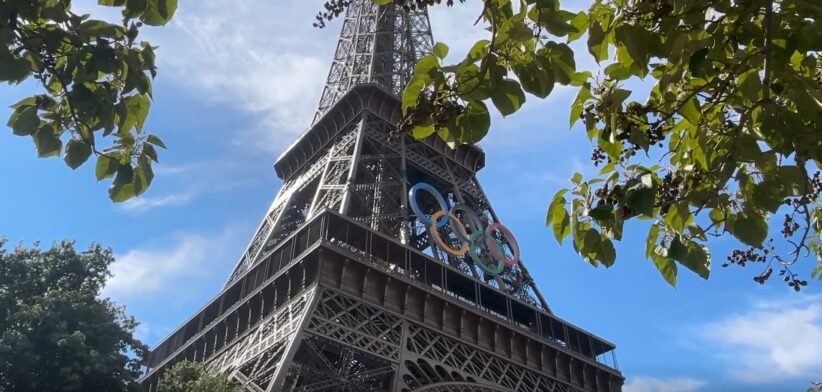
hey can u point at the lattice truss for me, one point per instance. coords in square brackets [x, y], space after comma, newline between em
[446, 360]
[254, 360]
[327, 341]
[378, 44]
[366, 173]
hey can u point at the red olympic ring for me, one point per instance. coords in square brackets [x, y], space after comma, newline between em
[495, 247]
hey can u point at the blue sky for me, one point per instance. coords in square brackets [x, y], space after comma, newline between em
[237, 83]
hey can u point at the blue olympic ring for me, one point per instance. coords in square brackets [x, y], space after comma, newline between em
[412, 199]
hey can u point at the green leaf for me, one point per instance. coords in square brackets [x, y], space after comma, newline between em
[122, 188]
[440, 50]
[817, 271]
[474, 122]
[697, 61]
[120, 193]
[697, 260]
[749, 227]
[536, 79]
[638, 43]
[556, 208]
[150, 152]
[422, 132]
[607, 254]
[678, 217]
[666, 267]
[112, 3]
[641, 200]
[555, 23]
[750, 85]
[478, 50]
[77, 153]
[141, 180]
[598, 41]
[13, 69]
[158, 12]
[558, 217]
[508, 97]
[155, 141]
[580, 23]
[563, 227]
[716, 215]
[137, 110]
[25, 102]
[46, 142]
[99, 28]
[650, 241]
[426, 64]
[578, 106]
[768, 195]
[590, 246]
[794, 180]
[413, 90]
[690, 111]
[105, 167]
[24, 121]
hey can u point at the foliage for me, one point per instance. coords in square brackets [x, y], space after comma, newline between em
[56, 333]
[727, 137]
[189, 376]
[96, 83]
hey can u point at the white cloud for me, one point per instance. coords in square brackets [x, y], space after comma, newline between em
[193, 180]
[144, 203]
[261, 58]
[774, 340]
[186, 263]
[650, 384]
[166, 169]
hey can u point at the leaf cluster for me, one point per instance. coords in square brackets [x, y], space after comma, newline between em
[96, 83]
[727, 138]
[188, 376]
[56, 333]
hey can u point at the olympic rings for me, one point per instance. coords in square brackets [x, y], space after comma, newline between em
[412, 199]
[480, 245]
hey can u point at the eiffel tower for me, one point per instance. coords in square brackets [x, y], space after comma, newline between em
[344, 286]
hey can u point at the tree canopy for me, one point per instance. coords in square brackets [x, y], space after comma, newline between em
[56, 333]
[95, 80]
[189, 376]
[726, 141]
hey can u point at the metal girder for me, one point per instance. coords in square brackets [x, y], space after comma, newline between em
[288, 324]
[379, 45]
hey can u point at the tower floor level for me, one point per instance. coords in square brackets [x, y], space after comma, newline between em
[381, 265]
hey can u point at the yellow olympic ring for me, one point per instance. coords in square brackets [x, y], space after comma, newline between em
[435, 234]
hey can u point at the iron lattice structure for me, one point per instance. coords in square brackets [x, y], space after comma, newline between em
[341, 289]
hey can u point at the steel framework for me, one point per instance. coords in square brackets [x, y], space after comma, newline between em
[341, 289]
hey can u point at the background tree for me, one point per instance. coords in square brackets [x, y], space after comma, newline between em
[96, 84]
[725, 141]
[188, 376]
[56, 333]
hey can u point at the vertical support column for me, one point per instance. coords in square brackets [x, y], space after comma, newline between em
[355, 162]
[278, 378]
[398, 381]
[406, 222]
